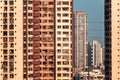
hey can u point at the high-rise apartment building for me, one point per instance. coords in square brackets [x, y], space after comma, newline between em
[80, 24]
[112, 40]
[11, 40]
[95, 54]
[36, 39]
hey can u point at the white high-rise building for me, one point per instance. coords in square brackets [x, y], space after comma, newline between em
[80, 24]
[95, 53]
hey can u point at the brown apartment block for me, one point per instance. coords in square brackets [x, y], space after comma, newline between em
[36, 39]
[112, 39]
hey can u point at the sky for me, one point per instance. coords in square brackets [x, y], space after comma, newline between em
[95, 17]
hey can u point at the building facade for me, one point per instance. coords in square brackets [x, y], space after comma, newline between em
[80, 24]
[11, 40]
[36, 40]
[95, 54]
[112, 40]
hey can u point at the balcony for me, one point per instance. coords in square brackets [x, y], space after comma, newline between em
[36, 56]
[36, 8]
[36, 68]
[36, 3]
[36, 32]
[36, 75]
[36, 27]
[36, 45]
[36, 20]
[36, 38]
[36, 50]
[36, 62]
[36, 15]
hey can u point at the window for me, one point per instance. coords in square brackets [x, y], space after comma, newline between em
[11, 20]
[51, 33]
[59, 50]
[30, 20]
[58, 32]
[51, 3]
[66, 69]
[58, 20]
[65, 15]
[65, 3]
[65, 45]
[65, 8]
[30, 26]
[4, 39]
[11, 2]
[65, 27]
[30, 32]
[30, 2]
[11, 51]
[58, 27]
[51, 9]
[11, 39]
[66, 33]
[51, 51]
[11, 75]
[59, 75]
[11, 27]
[4, 21]
[5, 8]
[65, 50]
[59, 3]
[11, 45]
[11, 8]
[58, 63]
[5, 45]
[4, 14]
[65, 75]
[65, 20]
[11, 33]
[59, 45]
[30, 57]
[5, 2]
[29, 8]
[30, 14]
[65, 39]
[59, 39]
[11, 57]
[5, 76]
[59, 15]
[5, 57]
[59, 69]
[11, 69]
[11, 64]
[58, 9]
[4, 27]
[4, 51]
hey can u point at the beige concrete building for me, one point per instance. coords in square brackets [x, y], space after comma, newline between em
[64, 40]
[11, 40]
[112, 39]
[80, 24]
[36, 40]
